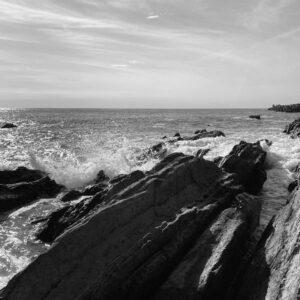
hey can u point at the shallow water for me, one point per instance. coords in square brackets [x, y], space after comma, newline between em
[72, 145]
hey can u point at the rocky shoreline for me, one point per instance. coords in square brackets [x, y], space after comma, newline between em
[183, 230]
[290, 108]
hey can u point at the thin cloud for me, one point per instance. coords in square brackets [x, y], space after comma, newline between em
[152, 17]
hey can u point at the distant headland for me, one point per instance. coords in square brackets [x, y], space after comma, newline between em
[290, 108]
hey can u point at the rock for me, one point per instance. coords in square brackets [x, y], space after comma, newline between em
[63, 218]
[18, 194]
[205, 134]
[177, 134]
[292, 186]
[164, 137]
[247, 161]
[159, 151]
[101, 177]
[214, 258]
[200, 131]
[9, 125]
[254, 117]
[293, 129]
[291, 108]
[202, 152]
[70, 196]
[274, 269]
[143, 231]
[20, 174]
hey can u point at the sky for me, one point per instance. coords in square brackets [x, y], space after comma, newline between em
[149, 53]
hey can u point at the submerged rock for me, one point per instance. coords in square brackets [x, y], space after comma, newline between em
[8, 125]
[184, 219]
[293, 129]
[18, 194]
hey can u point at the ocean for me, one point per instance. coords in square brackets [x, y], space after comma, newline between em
[73, 145]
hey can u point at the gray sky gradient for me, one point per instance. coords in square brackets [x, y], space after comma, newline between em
[149, 53]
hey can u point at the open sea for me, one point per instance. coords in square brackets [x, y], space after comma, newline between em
[73, 145]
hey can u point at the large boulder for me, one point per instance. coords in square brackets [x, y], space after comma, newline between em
[293, 129]
[15, 195]
[136, 235]
[247, 161]
[274, 269]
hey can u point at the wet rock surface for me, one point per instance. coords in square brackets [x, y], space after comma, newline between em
[177, 230]
[18, 194]
[160, 150]
[293, 129]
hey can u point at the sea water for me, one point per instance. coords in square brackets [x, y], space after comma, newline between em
[72, 145]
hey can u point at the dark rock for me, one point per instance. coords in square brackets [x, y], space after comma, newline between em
[177, 134]
[205, 134]
[20, 174]
[217, 159]
[291, 108]
[200, 131]
[15, 195]
[292, 186]
[254, 117]
[247, 161]
[202, 152]
[214, 258]
[293, 129]
[101, 177]
[159, 151]
[164, 137]
[185, 218]
[274, 269]
[9, 125]
[70, 196]
[93, 189]
[63, 218]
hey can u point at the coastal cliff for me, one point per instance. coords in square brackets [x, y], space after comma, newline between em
[289, 108]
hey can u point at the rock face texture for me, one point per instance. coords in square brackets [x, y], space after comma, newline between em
[293, 129]
[274, 270]
[247, 161]
[179, 229]
[291, 108]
